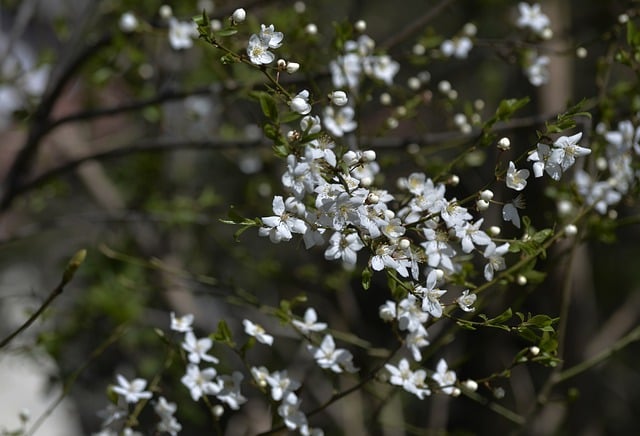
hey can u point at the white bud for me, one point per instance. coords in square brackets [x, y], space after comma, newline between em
[292, 67]
[623, 18]
[471, 385]
[444, 86]
[570, 230]
[414, 83]
[128, 22]
[311, 29]
[413, 148]
[165, 12]
[419, 49]
[612, 214]
[439, 274]
[369, 155]
[360, 26]
[281, 64]
[459, 119]
[494, 230]
[482, 205]
[404, 244]
[216, 25]
[487, 194]
[218, 410]
[534, 350]
[504, 144]
[389, 214]
[385, 99]
[339, 98]
[547, 34]
[293, 135]
[455, 392]
[454, 180]
[470, 29]
[601, 163]
[564, 207]
[424, 76]
[452, 94]
[478, 104]
[392, 122]
[581, 52]
[522, 280]
[350, 157]
[299, 7]
[372, 198]
[401, 111]
[239, 15]
[366, 181]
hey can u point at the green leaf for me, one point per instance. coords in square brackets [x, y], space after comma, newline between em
[508, 107]
[366, 278]
[223, 333]
[226, 32]
[500, 319]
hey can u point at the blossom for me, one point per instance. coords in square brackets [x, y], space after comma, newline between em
[230, 390]
[281, 384]
[290, 412]
[131, 391]
[181, 324]
[431, 295]
[300, 103]
[510, 210]
[165, 410]
[566, 149]
[344, 246]
[496, 262]
[381, 67]
[471, 235]
[200, 382]
[445, 377]
[536, 68]
[257, 331]
[540, 158]
[128, 22]
[466, 300]
[181, 33]
[330, 357]
[516, 179]
[412, 382]
[198, 348]
[281, 226]
[269, 35]
[531, 17]
[339, 122]
[309, 324]
[456, 47]
[258, 51]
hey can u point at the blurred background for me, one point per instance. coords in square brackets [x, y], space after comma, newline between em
[113, 141]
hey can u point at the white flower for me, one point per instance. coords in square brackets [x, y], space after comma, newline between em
[345, 247]
[328, 356]
[381, 67]
[531, 17]
[258, 51]
[444, 377]
[181, 33]
[566, 149]
[131, 391]
[257, 331]
[230, 390]
[496, 262]
[510, 210]
[536, 68]
[471, 235]
[339, 122]
[410, 381]
[165, 410]
[300, 103]
[181, 324]
[457, 47]
[198, 348]
[281, 226]
[466, 300]
[516, 179]
[281, 384]
[269, 35]
[200, 382]
[309, 325]
[431, 295]
[290, 412]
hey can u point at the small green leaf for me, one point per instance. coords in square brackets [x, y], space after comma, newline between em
[366, 278]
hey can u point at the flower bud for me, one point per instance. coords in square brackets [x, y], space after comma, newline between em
[471, 385]
[218, 410]
[495, 230]
[360, 25]
[504, 144]
[570, 230]
[350, 157]
[311, 29]
[534, 350]
[522, 280]
[404, 244]
[128, 22]
[454, 180]
[444, 86]
[339, 98]
[281, 64]
[239, 15]
[482, 205]
[165, 12]
[292, 67]
[487, 194]
[369, 155]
